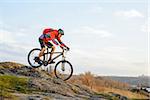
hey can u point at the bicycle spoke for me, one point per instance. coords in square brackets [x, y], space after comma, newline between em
[63, 70]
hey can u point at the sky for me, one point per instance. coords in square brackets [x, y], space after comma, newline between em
[105, 37]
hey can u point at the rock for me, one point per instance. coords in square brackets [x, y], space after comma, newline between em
[10, 65]
[42, 85]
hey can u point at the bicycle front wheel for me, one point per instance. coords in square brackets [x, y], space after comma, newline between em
[63, 70]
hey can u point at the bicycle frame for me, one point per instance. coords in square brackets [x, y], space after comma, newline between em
[60, 54]
[63, 68]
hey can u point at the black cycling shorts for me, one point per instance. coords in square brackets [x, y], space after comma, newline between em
[43, 44]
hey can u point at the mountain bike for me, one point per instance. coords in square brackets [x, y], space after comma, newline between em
[63, 68]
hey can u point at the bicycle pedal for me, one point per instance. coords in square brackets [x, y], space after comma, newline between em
[40, 62]
[45, 63]
[36, 59]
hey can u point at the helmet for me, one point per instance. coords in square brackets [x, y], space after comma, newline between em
[60, 31]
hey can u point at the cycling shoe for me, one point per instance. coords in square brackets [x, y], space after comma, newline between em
[37, 59]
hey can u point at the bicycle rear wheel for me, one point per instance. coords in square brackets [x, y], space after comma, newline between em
[31, 57]
[63, 70]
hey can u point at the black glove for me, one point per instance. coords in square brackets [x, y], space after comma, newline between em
[68, 48]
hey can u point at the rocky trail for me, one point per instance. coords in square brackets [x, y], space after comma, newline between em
[41, 85]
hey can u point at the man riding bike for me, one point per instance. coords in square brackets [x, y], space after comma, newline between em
[48, 38]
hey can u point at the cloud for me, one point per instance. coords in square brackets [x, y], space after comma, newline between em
[16, 38]
[13, 52]
[99, 32]
[92, 31]
[129, 14]
[14, 45]
[113, 58]
[6, 37]
[9, 34]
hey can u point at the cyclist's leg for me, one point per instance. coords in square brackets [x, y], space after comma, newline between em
[52, 51]
[50, 45]
[42, 44]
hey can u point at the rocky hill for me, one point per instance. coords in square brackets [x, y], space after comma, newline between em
[19, 82]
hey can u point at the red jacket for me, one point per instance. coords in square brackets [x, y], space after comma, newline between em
[50, 35]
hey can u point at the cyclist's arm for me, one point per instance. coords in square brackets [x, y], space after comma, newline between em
[55, 42]
[61, 43]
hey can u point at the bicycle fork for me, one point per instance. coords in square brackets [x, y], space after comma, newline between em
[63, 64]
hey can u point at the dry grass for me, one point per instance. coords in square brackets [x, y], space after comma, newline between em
[104, 85]
[126, 93]
[10, 65]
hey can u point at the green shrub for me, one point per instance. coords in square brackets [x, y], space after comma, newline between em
[8, 82]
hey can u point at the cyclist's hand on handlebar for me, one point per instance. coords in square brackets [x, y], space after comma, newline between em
[62, 47]
[68, 48]
[65, 47]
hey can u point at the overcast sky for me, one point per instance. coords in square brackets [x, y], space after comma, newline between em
[106, 37]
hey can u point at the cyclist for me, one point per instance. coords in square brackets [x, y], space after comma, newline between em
[48, 38]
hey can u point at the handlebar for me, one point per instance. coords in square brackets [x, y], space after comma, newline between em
[65, 49]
